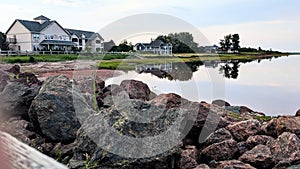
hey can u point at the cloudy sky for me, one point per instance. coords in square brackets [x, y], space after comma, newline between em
[267, 23]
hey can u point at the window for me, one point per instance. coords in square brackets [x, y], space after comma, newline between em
[49, 37]
[98, 41]
[36, 36]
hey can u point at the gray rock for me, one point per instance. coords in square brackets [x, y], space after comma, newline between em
[4, 78]
[234, 109]
[94, 130]
[53, 110]
[218, 136]
[270, 128]
[220, 103]
[16, 99]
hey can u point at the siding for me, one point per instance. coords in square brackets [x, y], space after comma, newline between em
[23, 36]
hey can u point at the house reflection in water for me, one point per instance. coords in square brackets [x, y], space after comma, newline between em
[166, 67]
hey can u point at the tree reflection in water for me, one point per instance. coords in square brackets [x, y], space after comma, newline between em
[184, 71]
[179, 71]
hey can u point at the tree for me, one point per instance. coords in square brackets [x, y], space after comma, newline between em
[235, 43]
[123, 47]
[231, 42]
[182, 42]
[3, 43]
[227, 42]
[222, 44]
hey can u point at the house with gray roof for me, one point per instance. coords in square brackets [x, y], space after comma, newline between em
[45, 34]
[154, 47]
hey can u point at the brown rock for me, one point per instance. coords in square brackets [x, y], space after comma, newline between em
[298, 113]
[167, 100]
[15, 70]
[270, 128]
[231, 164]
[202, 166]
[136, 89]
[218, 136]
[188, 158]
[260, 157]
[20, 129]
[219, 151]
[242, 130]
[285, 147]
[220, 103]
[244, 109]
[253, 141]
[4, 78]
[288, 124]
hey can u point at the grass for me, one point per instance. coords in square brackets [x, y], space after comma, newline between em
[61, 57]
[129, 64]
[264, 118]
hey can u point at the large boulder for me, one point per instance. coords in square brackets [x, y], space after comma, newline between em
[219, 151]
[53, 112]
[285, 148]
[260, 157]
[230, 164]
[97, 126]
[16, 99]
[242, 130]
[136, 89]
[218, 136]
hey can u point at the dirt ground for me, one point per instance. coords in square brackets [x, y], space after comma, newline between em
[71, 69]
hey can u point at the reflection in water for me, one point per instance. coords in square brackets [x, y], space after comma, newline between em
[171, 71]
[230, 69]
[184, 71]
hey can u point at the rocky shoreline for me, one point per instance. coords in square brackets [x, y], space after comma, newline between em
[47, 116]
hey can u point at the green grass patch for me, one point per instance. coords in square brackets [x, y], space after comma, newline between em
[264, 118]
[62, 57]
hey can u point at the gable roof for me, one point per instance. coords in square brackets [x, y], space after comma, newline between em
[79, 33]
[34, 26]
[42, 17]
[156, 43]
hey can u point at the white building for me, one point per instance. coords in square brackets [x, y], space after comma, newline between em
[46, 34]
[155, 47]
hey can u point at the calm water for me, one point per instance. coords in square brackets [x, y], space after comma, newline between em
[271, 85]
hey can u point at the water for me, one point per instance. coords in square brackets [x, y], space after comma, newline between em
[271, 86]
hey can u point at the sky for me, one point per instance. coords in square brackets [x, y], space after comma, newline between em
[270, 24]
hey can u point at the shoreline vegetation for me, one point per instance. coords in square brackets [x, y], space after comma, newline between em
[128, 61]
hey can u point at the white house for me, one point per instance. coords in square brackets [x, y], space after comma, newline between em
[46, 34]
[155, 47]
